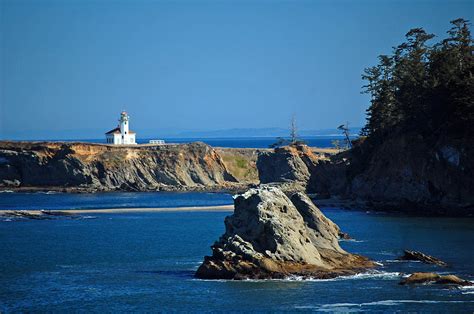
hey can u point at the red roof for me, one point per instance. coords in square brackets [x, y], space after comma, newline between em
[117, 131]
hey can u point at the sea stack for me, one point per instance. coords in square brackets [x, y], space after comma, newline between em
[271, 235]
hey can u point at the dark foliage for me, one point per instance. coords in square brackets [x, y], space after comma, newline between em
[423, 89]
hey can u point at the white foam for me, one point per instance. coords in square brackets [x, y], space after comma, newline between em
[338, 306]
[352, 240]
[470, 289]
[6, 191]
[375, 274]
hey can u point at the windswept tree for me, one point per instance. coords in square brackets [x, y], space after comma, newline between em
[346, 132]
[293, 131]
[293, 139]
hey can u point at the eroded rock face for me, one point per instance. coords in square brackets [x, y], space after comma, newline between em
[291, 167]
[402, 173]
[96, 167]
[272, 236]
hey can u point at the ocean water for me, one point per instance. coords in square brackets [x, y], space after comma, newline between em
[144, 262]
[238, 142]
[54, 200]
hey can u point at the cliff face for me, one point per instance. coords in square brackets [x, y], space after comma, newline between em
[105, 167]
[403, 173]
[291, 167]
[408, 170]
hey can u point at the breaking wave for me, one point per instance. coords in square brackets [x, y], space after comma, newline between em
[352, 240]
[375, 274]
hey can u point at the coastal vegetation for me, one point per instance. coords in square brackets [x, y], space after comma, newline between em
[423, 88]
[415, 152]
[240, 163]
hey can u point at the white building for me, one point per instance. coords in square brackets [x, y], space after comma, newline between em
[121, 135]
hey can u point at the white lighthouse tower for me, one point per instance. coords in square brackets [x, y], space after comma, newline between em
[121, 135]
[124, 126]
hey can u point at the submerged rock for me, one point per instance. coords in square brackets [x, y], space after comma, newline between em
[38, 215]
[273, 236]
[418, 256]
[422, 278]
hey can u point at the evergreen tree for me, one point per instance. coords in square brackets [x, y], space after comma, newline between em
[421, 88]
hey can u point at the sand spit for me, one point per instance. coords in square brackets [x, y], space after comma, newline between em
[126, 210]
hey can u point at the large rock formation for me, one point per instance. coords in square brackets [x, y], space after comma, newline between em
[402, 173]
[410, 171]
[291, 167]
[272, 236]
[96, 167]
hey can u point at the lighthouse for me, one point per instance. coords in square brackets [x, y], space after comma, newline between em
[121, 135]
[124, 125]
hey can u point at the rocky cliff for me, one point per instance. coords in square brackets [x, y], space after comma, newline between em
[273, 236]
[291, 167]
[403, 173]
[409, 171]
[97, 167]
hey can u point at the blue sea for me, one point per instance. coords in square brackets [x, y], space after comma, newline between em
[144, 262]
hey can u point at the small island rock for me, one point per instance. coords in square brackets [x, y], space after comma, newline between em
[418, 256]
[273, 236]
[421, 278]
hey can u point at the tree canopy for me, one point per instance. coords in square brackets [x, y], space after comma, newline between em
[423, 88]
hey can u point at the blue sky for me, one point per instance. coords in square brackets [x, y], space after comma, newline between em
[69, 67]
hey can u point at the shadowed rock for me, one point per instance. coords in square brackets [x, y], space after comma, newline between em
[418, 256]
[38, 215]
[273, 236]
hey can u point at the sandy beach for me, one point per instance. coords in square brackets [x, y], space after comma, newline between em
[129, 210]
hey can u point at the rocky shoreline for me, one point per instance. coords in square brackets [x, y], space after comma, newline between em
[276, 235]
[330, 177]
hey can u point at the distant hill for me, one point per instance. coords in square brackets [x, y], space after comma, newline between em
[262, 132]
[76, 134]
